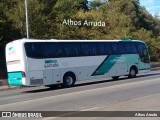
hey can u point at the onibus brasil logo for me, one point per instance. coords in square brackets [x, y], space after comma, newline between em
[51, 63]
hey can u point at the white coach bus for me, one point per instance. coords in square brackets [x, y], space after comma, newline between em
[48, 62]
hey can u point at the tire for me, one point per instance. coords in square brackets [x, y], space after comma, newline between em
[69, 80]
[115, 77]
[132, 72]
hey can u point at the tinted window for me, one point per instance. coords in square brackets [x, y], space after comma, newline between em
[121, 48]
[104, 48]
[77, 49]
[52, 50]
[34, 50]
[28, 49]
[92, 48]
[118, 48]
[143, 52]
[85, 48]
[140, 47]
[130, 47]
[80, 49]
[68, 49]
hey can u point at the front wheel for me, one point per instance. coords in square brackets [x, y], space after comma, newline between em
[69, 80]
[132, 72]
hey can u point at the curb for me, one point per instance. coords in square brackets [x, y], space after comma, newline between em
[4, 88]
[156, 68]
[3, 82]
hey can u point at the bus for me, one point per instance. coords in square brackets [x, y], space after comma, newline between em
[32, 62]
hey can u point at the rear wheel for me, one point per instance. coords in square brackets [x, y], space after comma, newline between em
[115, 77]
[69, 80]
[132, 72]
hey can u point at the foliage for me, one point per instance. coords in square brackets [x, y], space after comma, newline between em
[124, 19]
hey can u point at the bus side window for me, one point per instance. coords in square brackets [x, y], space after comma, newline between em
[115, 48]
[85, 48]
[118, 48]
[121, 48]
[92, 49]
[130, 48]
[37, 50]
[140, 48]
[108, 48]
[68, 49]
[133, 48]
[59, 49]
[77, 50]
[28, 49]
[52, 50]
[104, 48]
[49, 49]
[101, 50]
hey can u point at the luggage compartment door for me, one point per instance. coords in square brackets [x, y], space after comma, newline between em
[48, 77]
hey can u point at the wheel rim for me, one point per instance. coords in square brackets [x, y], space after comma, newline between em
[69, 80]
[133, 72]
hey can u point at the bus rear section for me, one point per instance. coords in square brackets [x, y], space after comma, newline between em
[15, 65]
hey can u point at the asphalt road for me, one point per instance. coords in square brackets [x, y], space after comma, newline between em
[138, 94]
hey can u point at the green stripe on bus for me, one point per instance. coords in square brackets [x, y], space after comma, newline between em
[128, 40]
[106, 65]
[10, 48]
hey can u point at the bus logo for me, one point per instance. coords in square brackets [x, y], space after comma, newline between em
[11, 51]
[51, 63]
[10, 48]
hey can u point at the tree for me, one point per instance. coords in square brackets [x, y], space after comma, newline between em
[124, 19]
[66, 10]
[7, 29]
[95, 4]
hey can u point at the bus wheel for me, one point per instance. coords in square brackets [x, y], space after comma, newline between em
[132, 72]
[115, 77]
[69, 80]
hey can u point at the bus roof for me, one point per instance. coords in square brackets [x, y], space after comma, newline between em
[56, 40]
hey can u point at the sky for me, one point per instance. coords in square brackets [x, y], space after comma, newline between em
[152, 6]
